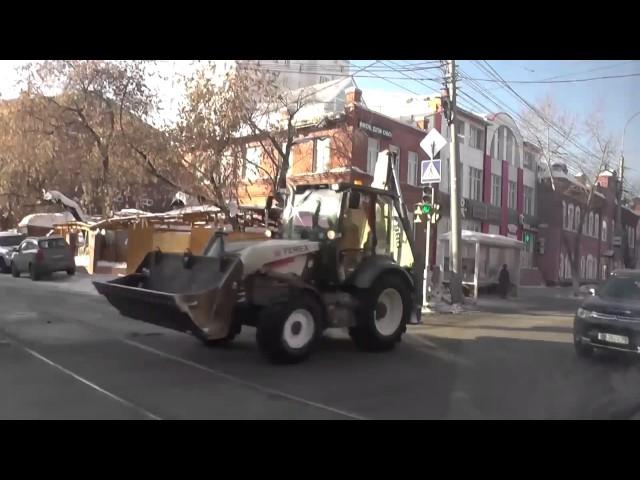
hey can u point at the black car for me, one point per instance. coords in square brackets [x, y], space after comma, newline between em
[610, 319]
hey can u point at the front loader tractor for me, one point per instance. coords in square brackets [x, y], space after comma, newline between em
[343, 257]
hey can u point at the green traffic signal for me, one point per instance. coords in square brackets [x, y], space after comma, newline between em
[426, 208]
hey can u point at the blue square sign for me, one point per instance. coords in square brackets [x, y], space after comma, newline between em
[430, 171]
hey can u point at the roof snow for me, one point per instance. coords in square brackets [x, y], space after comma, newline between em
[46, 220]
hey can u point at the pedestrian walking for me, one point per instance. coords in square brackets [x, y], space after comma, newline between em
[504, 281]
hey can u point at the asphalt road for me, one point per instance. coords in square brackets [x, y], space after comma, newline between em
[68, 355]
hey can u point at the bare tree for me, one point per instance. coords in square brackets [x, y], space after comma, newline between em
[85, 99]
[560, 137]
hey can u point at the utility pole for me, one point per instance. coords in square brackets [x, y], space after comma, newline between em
[456, 281]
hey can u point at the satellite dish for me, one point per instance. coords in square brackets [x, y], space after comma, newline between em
[233, 208]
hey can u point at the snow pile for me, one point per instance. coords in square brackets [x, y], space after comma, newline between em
[45, 220]
[105, 264]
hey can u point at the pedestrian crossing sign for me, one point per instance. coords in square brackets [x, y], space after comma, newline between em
[430, 171]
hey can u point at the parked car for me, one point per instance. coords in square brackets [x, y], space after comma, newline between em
[42, 256]
[8, 241]
[610, 318]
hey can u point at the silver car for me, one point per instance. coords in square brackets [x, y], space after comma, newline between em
[8, 242]
[43, 256]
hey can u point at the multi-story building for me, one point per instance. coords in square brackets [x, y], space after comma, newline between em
[291, 74]
[497, 175]
[338, 140]
[563, 208]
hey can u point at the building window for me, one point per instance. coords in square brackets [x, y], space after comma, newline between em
[496, 190]
[460, 130]
[529, 160]
[322, 155]
[604, 230]
[287, 62]
[475, 137]
[570, 217]
[561, 266]
[475, 184]
[582, 267]
[324, 79]
[577, 219]
[512, 195]
[373, 149]
[596, 224]
[631, 237]
[564, 215]
[412, 168]
[590, 228]
[528, 200]
[510, 141]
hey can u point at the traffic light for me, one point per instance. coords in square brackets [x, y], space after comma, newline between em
[427, 201]
[435, 213]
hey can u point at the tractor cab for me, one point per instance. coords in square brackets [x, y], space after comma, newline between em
[352, 223]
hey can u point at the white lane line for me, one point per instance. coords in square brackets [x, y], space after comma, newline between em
[247, 383]
[87, 382]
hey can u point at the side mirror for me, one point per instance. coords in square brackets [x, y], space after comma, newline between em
[354, 200]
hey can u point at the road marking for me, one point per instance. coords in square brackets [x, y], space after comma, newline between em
[240, 381]
[435, 351]
[85, 381]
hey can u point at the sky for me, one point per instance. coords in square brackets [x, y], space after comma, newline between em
[616, 98]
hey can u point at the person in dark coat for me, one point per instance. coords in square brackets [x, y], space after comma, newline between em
[504, 282]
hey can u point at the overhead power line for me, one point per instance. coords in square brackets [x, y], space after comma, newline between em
[574, 80]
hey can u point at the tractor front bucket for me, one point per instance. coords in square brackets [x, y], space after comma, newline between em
[187, 293]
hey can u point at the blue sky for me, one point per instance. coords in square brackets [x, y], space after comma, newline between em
[617, 99]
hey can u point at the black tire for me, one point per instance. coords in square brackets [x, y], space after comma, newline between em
[369, 334]
[285, 338]
[71, 272]
[14, 270]
[33, 274]
[582, 350]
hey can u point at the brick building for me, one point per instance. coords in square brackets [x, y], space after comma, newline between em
[339, 142]
[561, 212]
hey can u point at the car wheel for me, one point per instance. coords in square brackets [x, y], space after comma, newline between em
[71, 272]
[582, 350]
[383, 314]
[33, 273]
[14, 270]
[287, 332]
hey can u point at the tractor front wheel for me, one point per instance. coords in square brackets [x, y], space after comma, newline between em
[287, 332]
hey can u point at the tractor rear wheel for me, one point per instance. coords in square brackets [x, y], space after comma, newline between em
[287, 332]
[383, 314]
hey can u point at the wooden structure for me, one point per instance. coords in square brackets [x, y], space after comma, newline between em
[117, 245]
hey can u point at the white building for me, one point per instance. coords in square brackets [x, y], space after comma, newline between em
[292, 74]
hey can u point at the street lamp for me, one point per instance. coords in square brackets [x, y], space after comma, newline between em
[620, 229]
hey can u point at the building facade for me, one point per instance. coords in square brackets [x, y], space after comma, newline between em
[565, 210]
[342, 145]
